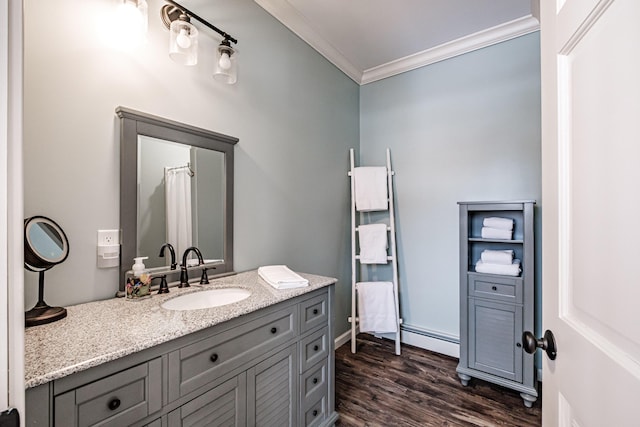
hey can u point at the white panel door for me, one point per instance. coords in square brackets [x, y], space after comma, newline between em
[591, 211]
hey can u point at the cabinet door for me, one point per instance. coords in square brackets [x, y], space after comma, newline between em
[495, 331]
[272, 391]
[224, 405]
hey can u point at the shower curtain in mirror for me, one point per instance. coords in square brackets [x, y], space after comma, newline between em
[177, 189]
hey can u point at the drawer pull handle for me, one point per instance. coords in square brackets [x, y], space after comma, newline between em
[274, 330]
[315, 412]
[316, 348]
[214, 357]
[494, 288]
[315, 381]
[315, 311]
[114, 404]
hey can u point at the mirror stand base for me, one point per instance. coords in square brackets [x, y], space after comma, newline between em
[42, 314]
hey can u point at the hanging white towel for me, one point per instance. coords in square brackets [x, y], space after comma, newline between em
[376, 307]
[177, 196]
[373, 243]
[371, 188]
[281, 277]
[512, 269]
[496, 233]
[497, 257]
[498, 222]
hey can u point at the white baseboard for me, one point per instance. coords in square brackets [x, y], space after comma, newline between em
[343, 339]
[432, 344]
[421, 340]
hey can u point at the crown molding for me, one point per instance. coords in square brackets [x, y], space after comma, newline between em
[475, 41]
[298, 24]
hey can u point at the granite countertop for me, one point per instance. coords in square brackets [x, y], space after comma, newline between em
[98, 332]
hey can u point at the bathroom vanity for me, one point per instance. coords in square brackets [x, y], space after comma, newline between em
[266, 360]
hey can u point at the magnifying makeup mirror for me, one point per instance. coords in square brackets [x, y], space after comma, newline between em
[45, 245]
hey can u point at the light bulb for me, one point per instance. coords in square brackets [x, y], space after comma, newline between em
[224, 61]
[183, 40]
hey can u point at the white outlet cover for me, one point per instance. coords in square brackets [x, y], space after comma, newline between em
[108, 237]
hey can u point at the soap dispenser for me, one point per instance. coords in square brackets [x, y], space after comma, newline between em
[139, 282]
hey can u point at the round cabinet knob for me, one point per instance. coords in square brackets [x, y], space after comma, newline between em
[547, 343]
[114, 404]
[274, 330]
[315, 412]
[494, 288]
[214, 357]
[316, 348]
[315, 381]
[315, 311]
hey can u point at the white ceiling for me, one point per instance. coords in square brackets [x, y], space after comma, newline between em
[373, 39]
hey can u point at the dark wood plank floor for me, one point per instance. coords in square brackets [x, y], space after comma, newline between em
[374, 387]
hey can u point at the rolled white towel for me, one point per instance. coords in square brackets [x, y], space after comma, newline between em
[497, 257]
[496, 233]
[502, 269]
[281, 277]
[498, 222]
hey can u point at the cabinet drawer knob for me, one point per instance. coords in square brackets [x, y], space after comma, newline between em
[315, 311]
[114, 404]
[315, 381]
[315, 412]
[214, 357]
[274, 330]
[494, 288]
[316, 348]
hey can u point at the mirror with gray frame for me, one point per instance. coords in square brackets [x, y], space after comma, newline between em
[176, 186]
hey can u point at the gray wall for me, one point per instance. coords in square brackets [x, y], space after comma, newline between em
[463, 129]
[296, 116]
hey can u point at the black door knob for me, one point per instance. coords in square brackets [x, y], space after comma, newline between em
[547, 343]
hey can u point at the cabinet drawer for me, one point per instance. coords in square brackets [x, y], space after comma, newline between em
[313, 313]
[197, 364]
[313, 384]
[506, 289]
[117, 400]
[315, 414]
[313, 349]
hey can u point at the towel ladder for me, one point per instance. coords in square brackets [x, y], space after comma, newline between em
[355, 267]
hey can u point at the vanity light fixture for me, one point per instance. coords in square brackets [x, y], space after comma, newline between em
[183, 44]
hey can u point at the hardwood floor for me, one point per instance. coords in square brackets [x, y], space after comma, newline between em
[374, 387]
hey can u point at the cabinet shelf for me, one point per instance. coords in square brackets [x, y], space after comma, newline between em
[510, 241]
[496, 309]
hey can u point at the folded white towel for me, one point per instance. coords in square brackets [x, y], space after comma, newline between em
[498, 222]
[502, 269]
[371, 188]
[281, 277]
[373, 243]
[496, 233]
[376, 307]
[497, 257]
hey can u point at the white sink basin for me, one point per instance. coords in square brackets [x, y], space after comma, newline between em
[206, 299]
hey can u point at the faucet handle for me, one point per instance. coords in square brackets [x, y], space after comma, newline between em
[204, 280]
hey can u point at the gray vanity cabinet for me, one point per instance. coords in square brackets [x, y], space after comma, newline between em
[496, 309]
[271, 367]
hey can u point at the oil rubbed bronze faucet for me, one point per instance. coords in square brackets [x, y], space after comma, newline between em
[173, 254]
[184, 277]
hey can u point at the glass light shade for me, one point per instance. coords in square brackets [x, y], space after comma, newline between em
[132, 23]
[183, 42]
[226, 70]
